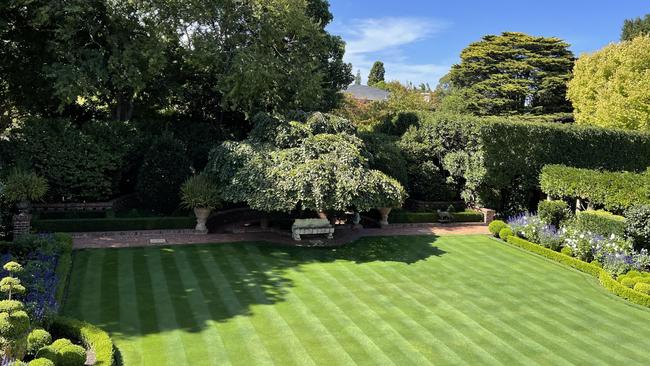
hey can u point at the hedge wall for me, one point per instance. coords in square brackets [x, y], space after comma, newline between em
[405, 217]
[601, 222]
[498, 161]
[616, 191]
[115, 224]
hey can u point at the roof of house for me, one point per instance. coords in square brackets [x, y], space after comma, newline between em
[364, 92]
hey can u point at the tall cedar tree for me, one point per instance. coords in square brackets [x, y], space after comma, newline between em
[514, 73]
[633, 28]
[377, 73]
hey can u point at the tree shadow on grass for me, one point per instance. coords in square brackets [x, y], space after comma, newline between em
[205, 283]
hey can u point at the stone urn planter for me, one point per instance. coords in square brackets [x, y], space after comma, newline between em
[202, 215]
[23, 206]
[384, 211]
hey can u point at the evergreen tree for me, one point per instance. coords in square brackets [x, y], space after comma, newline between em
[377, 73]
[514, 73]
[633, 28]
[357, 79]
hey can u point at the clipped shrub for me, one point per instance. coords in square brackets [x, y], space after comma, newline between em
[40, 362]
[496, 226]
[638, 226]
[553, 212]
[505, 233]
[629, 281]
[63, 352]
[163, 171]
[37, 339]
[642, 287]
[567, 251]
[92, 337]
[600, 222]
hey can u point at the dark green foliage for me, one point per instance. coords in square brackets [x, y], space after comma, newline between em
[496, 226]
[635, 27]
[405, 217]
[89, 335]
[114, 224]
[638, 225]
[164, 169]
[37, 339]
[63, 352]
[377, 73]
[616, 191]
[600, 222]
[385, 156]
[79, 164]
[553, 212]
[505, 233]
[514, 73]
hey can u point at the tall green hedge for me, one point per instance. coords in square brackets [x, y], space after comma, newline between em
[498, 161]
[615, 191]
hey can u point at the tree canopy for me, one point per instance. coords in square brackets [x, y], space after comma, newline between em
[633, 28]
[377, 73]
[513, 73]
[126, 58]
[316, 163]
[611, 87]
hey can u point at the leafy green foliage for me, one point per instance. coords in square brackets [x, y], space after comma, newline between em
[496, 226]
[40, 362]
[200, 191]
[616, 191]
[405, 217]
[553, 212]
[377, 73]
[514, 73]
[37, 339]
[505, 233]
[600, 222]
[638, 225]
[384, 155]
[633, 28]
[22, 185]
[643, 288]
[63, 352]
[322, 168]
[610, 87]
[92, 337]
[163, 171]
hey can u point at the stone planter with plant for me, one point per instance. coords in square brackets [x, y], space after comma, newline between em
[201, 194]
[23, 187]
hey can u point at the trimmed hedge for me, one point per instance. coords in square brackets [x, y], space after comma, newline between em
[615, 191]
[405, 217]
[601, 222]
[604, 278]
[89, 335]
[63, 266]
[114, 224]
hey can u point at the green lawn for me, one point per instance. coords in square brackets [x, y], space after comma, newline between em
[382, 301]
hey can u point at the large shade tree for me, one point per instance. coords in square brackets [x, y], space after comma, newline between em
[633, 28]
[317, 163]
[611, 87]
[512, 73]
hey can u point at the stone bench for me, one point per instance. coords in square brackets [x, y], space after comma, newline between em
[311, 227]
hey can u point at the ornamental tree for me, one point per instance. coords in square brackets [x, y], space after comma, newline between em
[377, 73]
[317, 163]
[513, 73]
[611, 87]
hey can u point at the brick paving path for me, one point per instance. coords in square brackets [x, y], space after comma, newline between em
[342, 236]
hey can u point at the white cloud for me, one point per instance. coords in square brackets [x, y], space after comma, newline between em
[384, 39]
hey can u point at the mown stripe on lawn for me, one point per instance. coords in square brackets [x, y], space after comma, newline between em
[110, 292]
[92, 288]
[317, 339]
[177, 353]
[248, 345]
[130, 332]
[74, 299]
[289, 349]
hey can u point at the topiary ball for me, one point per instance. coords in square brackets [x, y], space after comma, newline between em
[628, 281]
[37, 339]
[71, 355]
[9, 306]
[567, 251]
[40, 362]
[643, 288]
[496, 226]
[505, 233]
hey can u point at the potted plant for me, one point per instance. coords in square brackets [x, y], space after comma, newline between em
[23, 187]
[201, 194]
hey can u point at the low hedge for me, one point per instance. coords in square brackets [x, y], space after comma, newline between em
[93, 338]
[601, 222]
[405, 217]
[604, 278]
[114, 224]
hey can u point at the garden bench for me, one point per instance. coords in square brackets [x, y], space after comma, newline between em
[311, 227]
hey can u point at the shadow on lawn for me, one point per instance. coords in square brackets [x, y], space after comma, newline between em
[232, 278]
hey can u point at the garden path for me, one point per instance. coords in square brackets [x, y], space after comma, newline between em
[342, 236]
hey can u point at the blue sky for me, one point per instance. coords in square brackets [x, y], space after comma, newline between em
[419, 40]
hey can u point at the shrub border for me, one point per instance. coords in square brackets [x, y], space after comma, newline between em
[92, 337]
[603, 277]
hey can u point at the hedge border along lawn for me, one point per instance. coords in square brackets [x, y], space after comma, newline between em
[90, 336]
[114, 224]
[604, 278]
[417, 300]
[406, 217]
[614, 190]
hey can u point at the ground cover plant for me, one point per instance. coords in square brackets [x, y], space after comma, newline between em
[394, 300]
